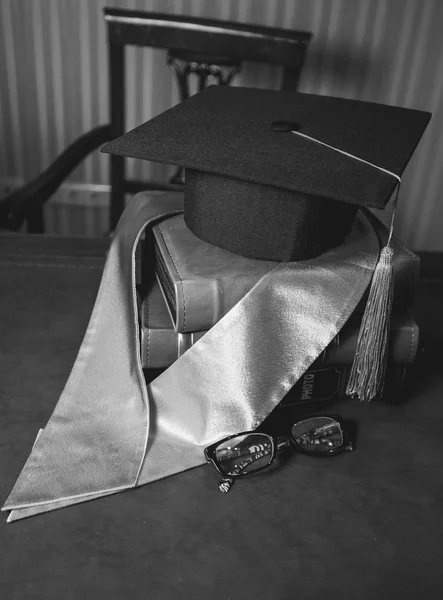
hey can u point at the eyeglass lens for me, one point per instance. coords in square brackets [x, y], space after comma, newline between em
[244, 453]
[317, 435]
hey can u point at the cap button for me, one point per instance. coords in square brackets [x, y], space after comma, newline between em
[284, 126]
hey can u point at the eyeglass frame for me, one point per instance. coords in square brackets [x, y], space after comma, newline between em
[279, 443]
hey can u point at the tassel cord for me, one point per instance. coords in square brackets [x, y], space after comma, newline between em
[368, 370]
[369, 367]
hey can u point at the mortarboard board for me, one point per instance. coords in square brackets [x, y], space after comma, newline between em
[255, 187]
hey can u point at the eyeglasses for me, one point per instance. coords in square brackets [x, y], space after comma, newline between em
[250, 452]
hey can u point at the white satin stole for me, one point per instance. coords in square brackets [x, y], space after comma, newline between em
[110, 432]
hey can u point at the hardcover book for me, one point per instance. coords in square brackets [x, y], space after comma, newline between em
[329, 383]
[202, 282]
[161, 345]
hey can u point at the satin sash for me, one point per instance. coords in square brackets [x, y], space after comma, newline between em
[110, 432]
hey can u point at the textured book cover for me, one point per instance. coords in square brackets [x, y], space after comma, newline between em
[202, 282]
[325, 384]
[161, 345]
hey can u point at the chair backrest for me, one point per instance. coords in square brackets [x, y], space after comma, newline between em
[195, 45]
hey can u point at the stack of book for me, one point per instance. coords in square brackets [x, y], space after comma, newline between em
[197, 283]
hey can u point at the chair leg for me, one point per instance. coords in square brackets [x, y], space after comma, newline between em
[291, 78]
[117, 189]
[117, 106]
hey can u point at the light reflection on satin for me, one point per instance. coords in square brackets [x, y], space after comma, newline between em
[109, 432]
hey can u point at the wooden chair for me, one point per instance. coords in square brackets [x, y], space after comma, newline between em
[195, 46]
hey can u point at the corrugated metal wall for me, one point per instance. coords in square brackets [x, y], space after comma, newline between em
[53, 83]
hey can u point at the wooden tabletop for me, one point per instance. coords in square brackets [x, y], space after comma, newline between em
[366, 525]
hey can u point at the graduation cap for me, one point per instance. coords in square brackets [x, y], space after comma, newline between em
[278, 175]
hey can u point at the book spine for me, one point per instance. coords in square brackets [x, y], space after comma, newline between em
[406, 269]
[403, 344]
[161, 346]
[197, 305]
[327, 384]
[197, 297]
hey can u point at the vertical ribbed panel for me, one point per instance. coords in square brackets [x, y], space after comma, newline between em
[53, 84]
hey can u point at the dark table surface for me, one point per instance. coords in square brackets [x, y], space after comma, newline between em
[364, 525]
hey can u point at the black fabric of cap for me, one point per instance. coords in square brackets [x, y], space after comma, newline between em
[268, 223]
[228, 133]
